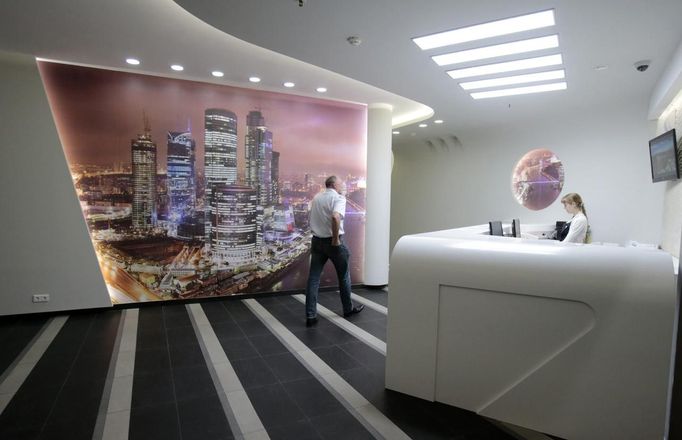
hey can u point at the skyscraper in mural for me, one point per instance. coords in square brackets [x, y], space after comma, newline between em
[233, 224]
[143, 152]
[181, 174]
[220, 155]
[258, 151]
[275, 177]
[259, 157]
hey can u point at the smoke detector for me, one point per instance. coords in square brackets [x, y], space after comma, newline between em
[354, 40]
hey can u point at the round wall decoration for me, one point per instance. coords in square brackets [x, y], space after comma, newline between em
[537, 179]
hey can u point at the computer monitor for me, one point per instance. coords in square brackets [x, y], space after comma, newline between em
[558, 228]
[516, 228]
[496, 228]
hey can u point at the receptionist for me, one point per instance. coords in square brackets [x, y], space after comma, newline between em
[574, 231]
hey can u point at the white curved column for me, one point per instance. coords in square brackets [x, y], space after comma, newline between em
[378, 200]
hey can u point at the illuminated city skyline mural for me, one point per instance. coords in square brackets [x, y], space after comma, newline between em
[193, 190]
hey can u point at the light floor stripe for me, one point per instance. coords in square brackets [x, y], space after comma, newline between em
[369, 303]
[17, 373]
[348, 326]
[236, 404]
[376, 422]
[113, 421]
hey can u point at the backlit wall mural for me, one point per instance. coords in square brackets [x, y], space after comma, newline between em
[537, 179]
[193, 190]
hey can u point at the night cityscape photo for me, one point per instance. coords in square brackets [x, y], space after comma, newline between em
[194, 190]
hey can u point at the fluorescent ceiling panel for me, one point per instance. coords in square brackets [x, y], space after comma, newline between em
[509, 66]
[497, 50]
[517, 79]
[519, 90]
[486, 30]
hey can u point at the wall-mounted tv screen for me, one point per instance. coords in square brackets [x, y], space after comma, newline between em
[663, 151]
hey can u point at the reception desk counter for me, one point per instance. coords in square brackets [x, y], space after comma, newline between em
[568, 339]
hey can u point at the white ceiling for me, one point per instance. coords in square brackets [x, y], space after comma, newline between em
[308, 45]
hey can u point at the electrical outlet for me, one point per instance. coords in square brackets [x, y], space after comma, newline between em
[41, 298]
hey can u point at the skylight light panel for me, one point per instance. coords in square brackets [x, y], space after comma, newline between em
[509, 66]
[517, 79]
[486, 30]
[519, 90]
[498, 50]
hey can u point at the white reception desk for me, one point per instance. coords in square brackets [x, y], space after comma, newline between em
[568, 339]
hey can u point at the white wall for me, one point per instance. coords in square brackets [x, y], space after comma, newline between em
[44, 242]
[672, 204]
[605, 156]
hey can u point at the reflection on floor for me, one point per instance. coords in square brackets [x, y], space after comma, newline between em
[213, 370]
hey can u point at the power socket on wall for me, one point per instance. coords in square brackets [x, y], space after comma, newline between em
[41, 298]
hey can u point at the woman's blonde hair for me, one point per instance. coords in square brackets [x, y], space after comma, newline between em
[575, 199]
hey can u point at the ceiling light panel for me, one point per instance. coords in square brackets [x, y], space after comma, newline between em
[519, 90]
[510, 66]
[517, 79]
[487, 30]
[497, 50]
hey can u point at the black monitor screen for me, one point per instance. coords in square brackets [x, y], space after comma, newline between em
[663, 151]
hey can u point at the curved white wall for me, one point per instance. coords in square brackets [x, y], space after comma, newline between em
[605, 156]
[45, 247]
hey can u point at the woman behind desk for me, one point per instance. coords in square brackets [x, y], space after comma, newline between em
[576, 230]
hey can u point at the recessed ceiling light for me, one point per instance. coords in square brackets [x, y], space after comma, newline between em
[423, 125]
[321, 89]
[254, 79]
[289, 84]
[509, 66]
[520, 90]
[133, 61]
[217, 74]
[177, 67]
[396, 132]
[487, 30]
[517, 79]
[497, 50]
[438, 121]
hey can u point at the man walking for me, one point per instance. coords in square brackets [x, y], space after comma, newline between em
[326, 223]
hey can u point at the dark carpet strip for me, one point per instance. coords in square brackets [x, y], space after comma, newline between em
[290, 402]
[369, 320]
[363, 368]
[15, 334]
[60, 398]
[173, 393]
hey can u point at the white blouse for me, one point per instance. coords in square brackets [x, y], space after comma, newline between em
[577, 232]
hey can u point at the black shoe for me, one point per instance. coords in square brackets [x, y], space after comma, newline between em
[354, 310]
[310, 322]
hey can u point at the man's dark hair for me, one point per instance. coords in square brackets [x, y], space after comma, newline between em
[329, 183]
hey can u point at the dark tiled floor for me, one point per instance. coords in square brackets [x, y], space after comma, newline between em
[174, 396]
[172, 386]
[272, 377]
[15, 334]
[60, 398]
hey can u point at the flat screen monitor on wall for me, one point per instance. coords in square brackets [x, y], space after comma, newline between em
[663, 152]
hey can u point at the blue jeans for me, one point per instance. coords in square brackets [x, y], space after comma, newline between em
[321, 251]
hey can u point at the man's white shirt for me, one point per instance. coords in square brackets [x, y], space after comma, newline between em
[323, 206]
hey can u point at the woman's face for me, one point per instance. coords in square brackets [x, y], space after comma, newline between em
[569, 206]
